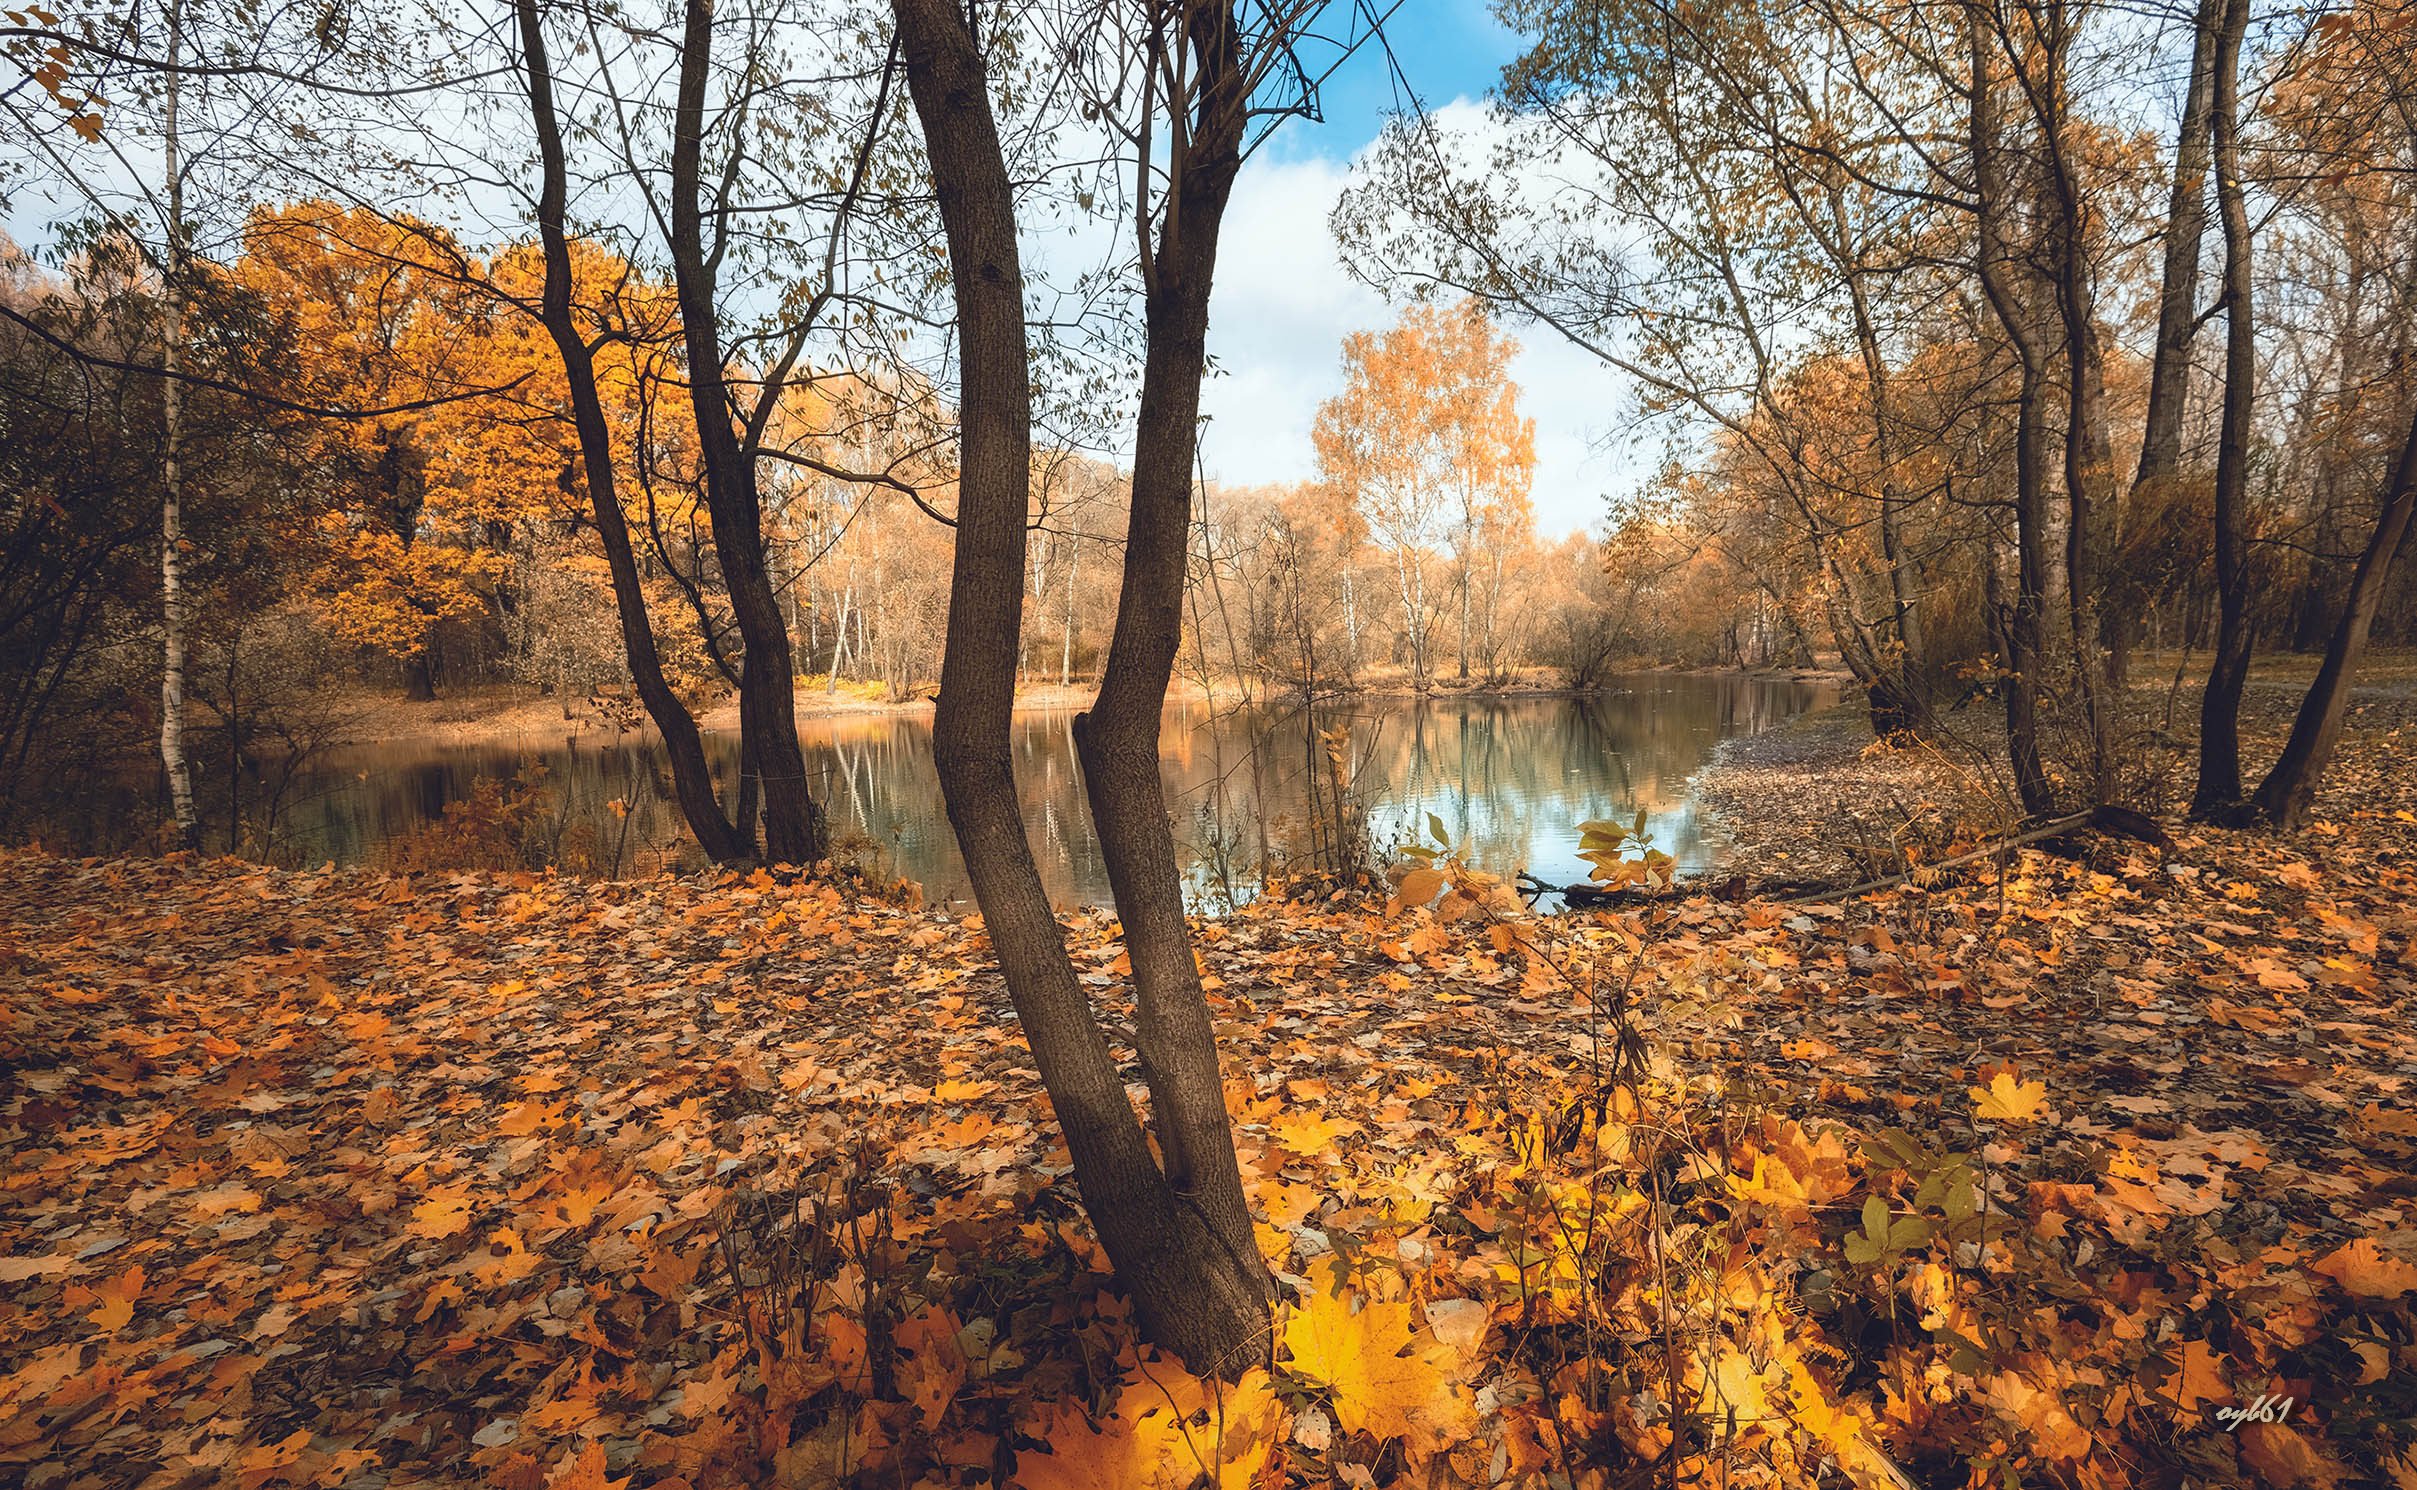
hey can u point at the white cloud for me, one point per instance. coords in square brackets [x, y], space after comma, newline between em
[1282, 306]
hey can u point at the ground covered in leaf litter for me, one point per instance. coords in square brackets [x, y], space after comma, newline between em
[347, 1179]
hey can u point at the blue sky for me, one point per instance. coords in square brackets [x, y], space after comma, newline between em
[1284, 301]
[1446, 49]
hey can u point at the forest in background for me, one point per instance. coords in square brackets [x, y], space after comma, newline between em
[1978, 389]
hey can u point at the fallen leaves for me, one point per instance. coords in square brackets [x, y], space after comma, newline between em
[2363, 1268]
[1169, 1431]
[112, 1301]
[1381, 1377]
[2008, 1100]
[519, 1180]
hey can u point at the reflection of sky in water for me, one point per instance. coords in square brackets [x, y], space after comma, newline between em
[1509, 778]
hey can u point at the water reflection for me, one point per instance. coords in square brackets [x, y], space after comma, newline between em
[1510, 778]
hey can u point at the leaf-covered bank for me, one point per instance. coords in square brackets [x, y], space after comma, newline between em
[350, 1179]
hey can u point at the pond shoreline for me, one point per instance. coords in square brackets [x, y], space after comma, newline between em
[506, 714]
[1815, 799]
[1511, 775]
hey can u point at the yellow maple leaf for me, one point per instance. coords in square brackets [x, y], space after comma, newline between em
[2365, 1269]
[2201, 1377]
[1307, 1134]
[1169, 1429]
[509, 1259]
[1383, 1379]
[524, 1118]
[2283, 1456]
[2007, 1100]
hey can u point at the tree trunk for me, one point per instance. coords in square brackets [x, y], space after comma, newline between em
[2025, 659]
[181, 811]
[1219, 1318]
[1191, 1292]
[692, 777]
[2218, 794]
[1907, 620]
[2289, 789]
[1074, 569]
[1464, 609]
[794, 832]
[2089, 458]
[2178, 296]
[839, 641]
[1351, 619]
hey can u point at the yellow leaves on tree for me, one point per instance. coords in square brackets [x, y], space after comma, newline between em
[1427, 440]
[457, 433]
[1384, 1377]
[390, 596]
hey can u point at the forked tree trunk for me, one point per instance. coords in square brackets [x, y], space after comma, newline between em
[1192, 1292]
[794, 832]
[2218, 793]
[2284, 797]
[691, 776]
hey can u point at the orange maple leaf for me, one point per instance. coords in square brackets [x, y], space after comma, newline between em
[113, 1299]
[2365, 1269]
[584, 1471]
[446, 1212]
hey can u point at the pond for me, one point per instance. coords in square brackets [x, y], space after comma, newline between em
[1509, 778]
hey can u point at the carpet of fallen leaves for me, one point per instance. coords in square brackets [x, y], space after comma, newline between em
[2100, 1171]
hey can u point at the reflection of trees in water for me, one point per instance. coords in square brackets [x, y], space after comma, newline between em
[1509, 777]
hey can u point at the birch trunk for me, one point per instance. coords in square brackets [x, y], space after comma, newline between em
[172, 496]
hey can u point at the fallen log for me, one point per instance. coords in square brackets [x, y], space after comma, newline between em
[2119, 822]
[1724, 887]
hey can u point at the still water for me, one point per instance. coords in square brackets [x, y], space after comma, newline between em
[1509, 778]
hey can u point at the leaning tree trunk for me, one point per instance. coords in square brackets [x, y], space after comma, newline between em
[2290, 788]
[1220, 1315]
[2218, 794]
[1190, 1293]
[691, 775]
[794, 831]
